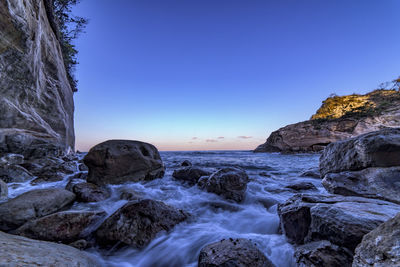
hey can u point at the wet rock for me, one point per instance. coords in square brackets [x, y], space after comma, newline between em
[80, 244]
[120, 161]
[3, 190]
[323, 253]
[73, 182]
[380, 183]
[137, 223]
[313, 173]
[21, 251]
[375, 149]
[190, 174]
[380, 247]
[80, 175]
[338, 219]
[11, 158]
[83, 167]
[233, 252]
[88, 192]
[14, 174]
[231, 183]
[65, 227]
[302, 186]
[32, 205]
[130, 194]
[54, 173]
[186, 163]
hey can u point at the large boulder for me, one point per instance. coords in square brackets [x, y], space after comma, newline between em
[137, 223]
[190, 174]
[380, 183]
[21, 251]
[375, 149]
[65, 226]
[120, 161]
[233, 253]
[32, 205]
[380, 247]
[231, 183]
[87, 192]
[338, 219]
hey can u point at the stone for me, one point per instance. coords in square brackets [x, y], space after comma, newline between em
[88, 192]
[380, 183]
[3, 190]
[65, 226]
[374, 149]
[186, 163]
[21, 251]
[381, 246]
[14, 174]
[137, 223]
[190, 175]
[230, 183]
[323, 253]
[313, 173]
[233, 252]
[121, 161]
[32, 205]
[339, 219]
[12, 159]
[300, 186]
[83, 168]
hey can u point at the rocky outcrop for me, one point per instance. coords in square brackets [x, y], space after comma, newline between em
[380, 247]
[121, 161]
[32, 205]
[21, 251]
[137, 223]
[87, 192]
[36, 98]
[233, 252]
[191, 175]
[339, 121]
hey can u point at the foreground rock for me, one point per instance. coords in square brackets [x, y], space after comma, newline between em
[121, 161]
[32, 205]
[21, 251]
[233, 252]
[65, 227]
[137, 223]
[3, 190]
[231, 183]
[87, 192]
[338, 219]
[381, 246]
[190, 174]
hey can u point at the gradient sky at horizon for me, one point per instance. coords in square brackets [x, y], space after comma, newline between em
[223, 74]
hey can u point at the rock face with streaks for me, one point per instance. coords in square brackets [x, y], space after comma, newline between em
[36, 98]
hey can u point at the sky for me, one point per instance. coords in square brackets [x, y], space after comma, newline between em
[224, 74]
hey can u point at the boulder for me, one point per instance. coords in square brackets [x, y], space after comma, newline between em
[21, 251]
[32, 205]
[137, 223]
[230, 183]
[233, 252]
[338, 219]
[3, 190]
[87, 192]
[380, 183]
[380, 247]
[375, 149]
[121, 161]
[190, 175]
[65, 226]
[300, 186]
[14, 174]
[323, 253]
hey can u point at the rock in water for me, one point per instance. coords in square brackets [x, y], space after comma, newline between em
[190, 174]
[32, 205]
[121, 161]
[14, 173]
[21, 251]
[231, 183]
[233, 253]
[87, 192]
[137, 223]
[36, 98]
[380, 247]
[3, 190]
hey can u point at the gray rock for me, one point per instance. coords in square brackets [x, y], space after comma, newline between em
[380, 247]
[338, 219]
[380, 183]
[302, 186]
[88, 192]
[3, 190]
[323, 253]
[313, 172]
[189, 174]
[32, 205]
[375, 149]
[231, 183]
[14, 174]
[137, 223]
[233, 253]
[21, 251]
[121, 161]
[65, 226]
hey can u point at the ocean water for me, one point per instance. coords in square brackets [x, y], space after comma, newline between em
[213, 218]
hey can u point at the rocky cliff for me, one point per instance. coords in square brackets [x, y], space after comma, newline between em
[36, 103]
[339, 118]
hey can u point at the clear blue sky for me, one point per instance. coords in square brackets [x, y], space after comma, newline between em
[223, 74]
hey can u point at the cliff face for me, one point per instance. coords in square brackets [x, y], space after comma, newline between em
[338, 118]
[36, 103]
